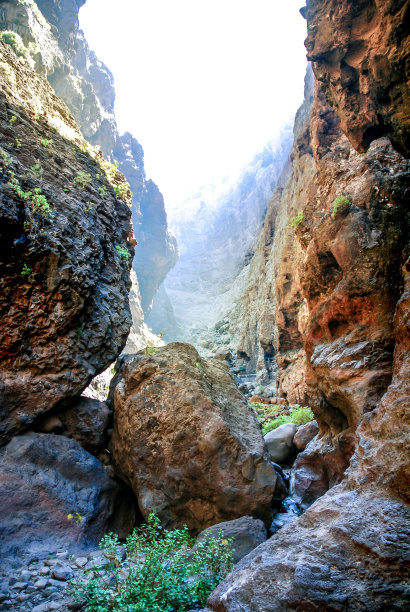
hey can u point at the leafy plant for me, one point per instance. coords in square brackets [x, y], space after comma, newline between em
[121, 190]
[83, 179]
[26, 271]
[341, 203]
[297, 221]
[102, 190]
[298, 415]
[160, 572]
[46, 142]
[40, 203]
[122, 252]
[15, 41]
[150, 350]
[12, 119]
[36, 170]
[18, 143]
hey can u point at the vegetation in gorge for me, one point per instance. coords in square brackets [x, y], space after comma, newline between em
[297, 221]
[340, 204]
[273, 415]
[161, 572]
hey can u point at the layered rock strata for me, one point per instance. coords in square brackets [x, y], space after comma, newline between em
[187, 442]
[66, 248]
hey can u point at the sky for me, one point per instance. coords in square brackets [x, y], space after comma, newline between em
[202, 84]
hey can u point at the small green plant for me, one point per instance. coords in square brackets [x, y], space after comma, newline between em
[7, 159]
[15, 41]
[26, 271]
[79, 332]
[270, 417]
[12, 119]
[297, 221]
[46, 142]
[102, 191]
[89, 206]
[340, 204]
[121, 190]
[76, 516]
[122, 252]
[18, 143]
[40, 203]
[150, 350]
[160, 573]
[36, 170]
[83, 179]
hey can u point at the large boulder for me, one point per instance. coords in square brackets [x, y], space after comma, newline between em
[65, 253]
[246, 534]
[54, 494]
[319, 467]
[305, 434]
[87, 420]
[279, 442]
[331, 559]
[187, 442]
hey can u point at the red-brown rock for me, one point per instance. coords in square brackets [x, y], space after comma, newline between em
[359, 53]
[304, 435]
[187, 442]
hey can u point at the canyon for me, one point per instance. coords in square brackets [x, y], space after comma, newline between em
[296, 275]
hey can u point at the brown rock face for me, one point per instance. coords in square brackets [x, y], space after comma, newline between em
[187, 442]
[359, 52]
[64, 253]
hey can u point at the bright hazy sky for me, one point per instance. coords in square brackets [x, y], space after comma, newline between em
[202, 84]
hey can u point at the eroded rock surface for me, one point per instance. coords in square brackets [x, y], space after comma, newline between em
[65, 252]
[54, 494]
[187, 442]
[246, 534]
[359, 52]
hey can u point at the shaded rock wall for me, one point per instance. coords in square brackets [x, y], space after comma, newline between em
[87, 87]
[64, 296]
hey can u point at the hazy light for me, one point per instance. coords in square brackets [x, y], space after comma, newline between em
[201, 84]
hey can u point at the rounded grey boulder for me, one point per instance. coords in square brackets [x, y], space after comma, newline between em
[280, 442]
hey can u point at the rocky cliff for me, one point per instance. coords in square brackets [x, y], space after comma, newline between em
[337, 270]
[50, 31]
[216, 232]
[66, 248]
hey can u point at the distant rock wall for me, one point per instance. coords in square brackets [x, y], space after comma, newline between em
[216, 233]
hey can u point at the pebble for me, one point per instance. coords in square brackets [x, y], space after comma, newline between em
[44, 570]
[20, 585]
[41, 583]
[81, 561]
[62, 572]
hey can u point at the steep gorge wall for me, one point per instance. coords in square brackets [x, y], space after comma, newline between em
[216, 232]
[61, 53]
[340, 280]
[65, 252]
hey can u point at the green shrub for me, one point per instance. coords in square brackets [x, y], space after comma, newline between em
[15, 41]
[297, 221]
[121, 190]
[122, 252]
[46, 142]
[340, 204]
[26, 271]
[83, 179]
[160, 572]
[299, 415]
